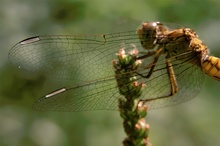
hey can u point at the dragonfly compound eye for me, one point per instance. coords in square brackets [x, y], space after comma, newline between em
[147, 34]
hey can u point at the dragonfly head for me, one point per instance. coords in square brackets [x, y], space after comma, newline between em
[148, 33]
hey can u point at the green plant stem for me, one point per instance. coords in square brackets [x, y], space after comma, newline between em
[132, 110]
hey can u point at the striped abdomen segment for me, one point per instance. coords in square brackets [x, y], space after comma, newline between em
[211, 66]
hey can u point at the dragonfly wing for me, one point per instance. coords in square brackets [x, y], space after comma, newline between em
[93, 96]
[87, 62]
[81, 59]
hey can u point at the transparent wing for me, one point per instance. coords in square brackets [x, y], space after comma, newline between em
[87, 62]
[79, 58]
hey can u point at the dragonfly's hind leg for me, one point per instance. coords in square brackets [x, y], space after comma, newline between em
[172, 78]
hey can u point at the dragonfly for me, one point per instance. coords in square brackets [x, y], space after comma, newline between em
[174, 64]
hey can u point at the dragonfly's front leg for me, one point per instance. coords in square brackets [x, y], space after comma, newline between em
[152, 64]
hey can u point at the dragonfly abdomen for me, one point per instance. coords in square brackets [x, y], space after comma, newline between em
[211, 66]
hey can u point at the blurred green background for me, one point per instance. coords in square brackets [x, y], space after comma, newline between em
[193, 123]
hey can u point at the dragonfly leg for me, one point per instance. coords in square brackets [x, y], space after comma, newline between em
[152, 64]
[148, 54]
[172, 78]
[173, 83]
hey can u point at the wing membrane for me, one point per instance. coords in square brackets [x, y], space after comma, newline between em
[86, 61]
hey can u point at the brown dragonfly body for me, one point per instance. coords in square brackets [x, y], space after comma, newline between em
[175, 42]
[178, 43]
